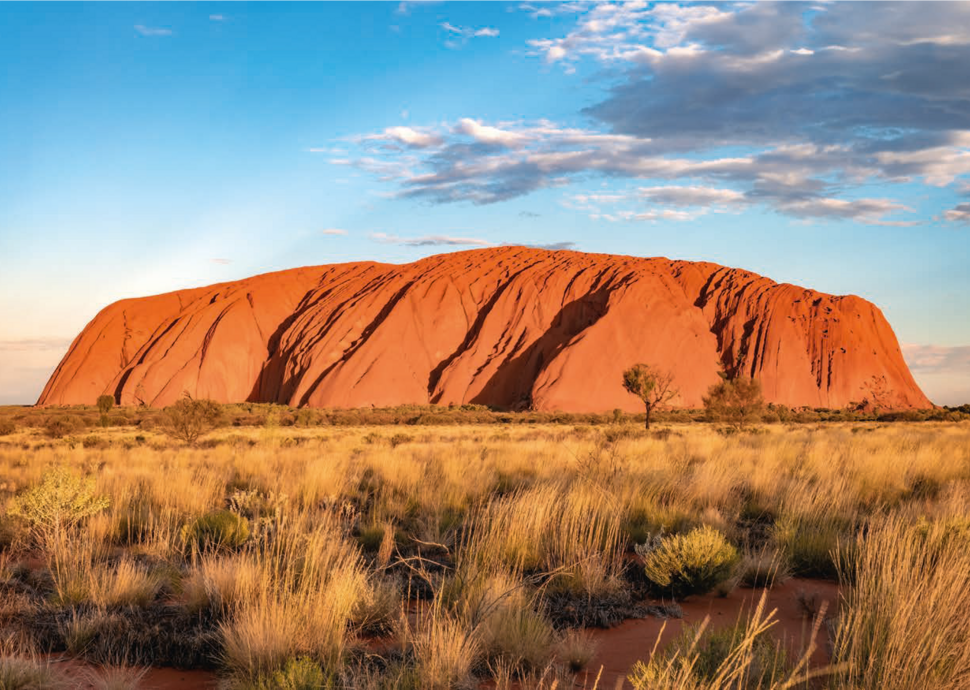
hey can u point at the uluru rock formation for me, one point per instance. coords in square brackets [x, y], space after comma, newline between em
[510, 327]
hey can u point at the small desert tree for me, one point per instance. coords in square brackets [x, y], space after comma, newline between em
[737, 401]
[105, 403]
[58, 504]
[188, 419]
[654, 387]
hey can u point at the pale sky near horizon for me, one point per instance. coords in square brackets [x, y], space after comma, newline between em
[149, 147]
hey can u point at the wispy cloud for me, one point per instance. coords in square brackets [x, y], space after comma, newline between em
[152, 31]
[35, 344]
[217, 17]
[460, 35]
[429, 241]
[222, 262]
[937, 358]
[943, 372]
[406, 6]
[958, 214]
[333, 231]
[554, 246]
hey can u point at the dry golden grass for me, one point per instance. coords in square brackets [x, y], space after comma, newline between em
[459, 537]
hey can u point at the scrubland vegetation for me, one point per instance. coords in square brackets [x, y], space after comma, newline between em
[303, 549]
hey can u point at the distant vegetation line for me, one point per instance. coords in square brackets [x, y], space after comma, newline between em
[62, 420]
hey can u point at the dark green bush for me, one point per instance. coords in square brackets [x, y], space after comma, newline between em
[220, 529]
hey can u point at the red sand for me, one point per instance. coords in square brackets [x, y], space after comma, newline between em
[621, 647]
[154, 678]
[509, 327]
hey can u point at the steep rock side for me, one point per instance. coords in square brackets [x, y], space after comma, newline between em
[510, 327]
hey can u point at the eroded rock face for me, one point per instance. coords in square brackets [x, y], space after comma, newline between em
[512, 327]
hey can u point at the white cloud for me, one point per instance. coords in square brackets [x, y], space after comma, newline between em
[408, 136]
[406, 6]
[222, 262]
[217, 17]
[152, 31]
[937, 358]
[958, 214]
[691, 196]
[333, 231]
[469, 32]
[486, 134]
[872, 211]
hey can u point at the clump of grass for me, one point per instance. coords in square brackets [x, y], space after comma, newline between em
[904, 623]
[115, 678]
[80, 631]
[125, 583]
[571, 531]
[576, 649]
[763, 569]
[26, 673]
[221, 583]
[519, 636]
[221, 529]
[809, 545]
[73, 564]
[692, 563]
[307, 589]
[446, 651]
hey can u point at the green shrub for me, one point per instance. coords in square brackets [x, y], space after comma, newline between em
[61, 426]
[188, 419]
[399, 439]
[736, 401]
[220, 529]
[296, 674]
[706, 656]
[692, 563]
[809, 546]
[60, 502]
[371, 537]
[105, 403]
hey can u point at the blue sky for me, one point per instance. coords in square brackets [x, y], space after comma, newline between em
[149, 147]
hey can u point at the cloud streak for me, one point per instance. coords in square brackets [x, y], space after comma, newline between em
[429, 241]
[937, 358]
[152, 31]
[958, 214]
[35, 344]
